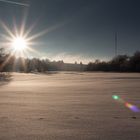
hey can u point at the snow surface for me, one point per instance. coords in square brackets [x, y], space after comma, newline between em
[69, 106]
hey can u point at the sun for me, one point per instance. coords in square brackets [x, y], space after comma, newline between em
[19, 41]
[19, 44]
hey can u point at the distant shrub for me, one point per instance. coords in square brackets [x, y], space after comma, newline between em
[5, 76]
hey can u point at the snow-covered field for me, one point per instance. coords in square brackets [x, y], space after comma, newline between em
[69, 106]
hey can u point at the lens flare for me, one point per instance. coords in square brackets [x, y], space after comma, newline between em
[132, 107]
[115, 97]
[128, 105]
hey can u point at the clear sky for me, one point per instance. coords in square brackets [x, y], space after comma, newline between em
[78, 29]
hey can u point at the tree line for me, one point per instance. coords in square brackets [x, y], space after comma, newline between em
[120, 63]
[9, 63]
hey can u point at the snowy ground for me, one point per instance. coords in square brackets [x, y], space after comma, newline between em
[69, 106]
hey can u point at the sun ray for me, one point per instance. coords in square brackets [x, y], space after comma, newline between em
[33, 50]
[7, 29]
[6, 37]
[26, 34]
[43, 32]
[15, 28]
[23, 23]
[6, 61]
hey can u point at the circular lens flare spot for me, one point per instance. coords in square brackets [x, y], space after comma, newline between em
[115, 97]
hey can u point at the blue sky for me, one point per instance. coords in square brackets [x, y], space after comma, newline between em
[84, 29]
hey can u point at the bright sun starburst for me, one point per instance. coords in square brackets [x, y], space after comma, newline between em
[20, 40]
[19, 44]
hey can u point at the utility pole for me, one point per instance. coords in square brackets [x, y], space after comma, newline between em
[116, 44]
